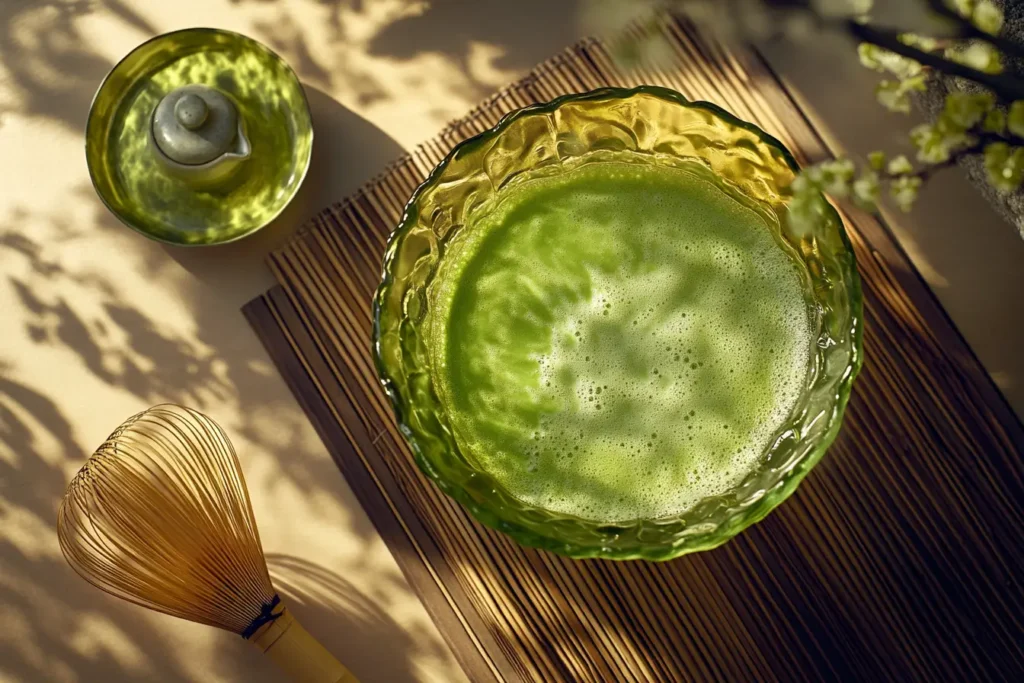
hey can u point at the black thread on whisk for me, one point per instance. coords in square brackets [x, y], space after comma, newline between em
[265, 616]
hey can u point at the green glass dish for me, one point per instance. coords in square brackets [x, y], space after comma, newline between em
[128, 175]
[645, 125]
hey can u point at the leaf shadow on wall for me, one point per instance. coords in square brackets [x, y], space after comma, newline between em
[526, 31]
[50, 71]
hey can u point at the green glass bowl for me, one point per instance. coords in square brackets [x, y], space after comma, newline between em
[646, 125]
[129, 177]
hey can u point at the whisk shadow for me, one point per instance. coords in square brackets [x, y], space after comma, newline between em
[349, 624]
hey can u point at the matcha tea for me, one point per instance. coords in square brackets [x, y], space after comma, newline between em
[618, 342]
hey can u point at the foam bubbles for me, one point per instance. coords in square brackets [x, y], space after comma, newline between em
[628, 347]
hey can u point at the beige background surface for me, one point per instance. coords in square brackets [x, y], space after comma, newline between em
[98, 323]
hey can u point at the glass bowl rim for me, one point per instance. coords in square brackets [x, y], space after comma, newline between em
[516, 531]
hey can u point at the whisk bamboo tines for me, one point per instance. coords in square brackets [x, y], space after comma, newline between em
[160, 516]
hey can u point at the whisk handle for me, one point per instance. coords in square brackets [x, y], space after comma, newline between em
[298, 654]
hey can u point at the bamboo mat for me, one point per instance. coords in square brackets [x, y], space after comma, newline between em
[898, 558]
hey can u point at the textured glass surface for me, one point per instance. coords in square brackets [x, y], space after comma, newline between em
[129, 177]
[647, 125]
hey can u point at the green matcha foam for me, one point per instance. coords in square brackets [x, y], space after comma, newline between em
[618, 342]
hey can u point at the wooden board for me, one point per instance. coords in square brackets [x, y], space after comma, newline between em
[898, 558]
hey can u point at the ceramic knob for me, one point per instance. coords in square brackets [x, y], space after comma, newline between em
[195, 124]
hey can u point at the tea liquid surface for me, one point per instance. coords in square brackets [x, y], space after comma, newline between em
[618, 342]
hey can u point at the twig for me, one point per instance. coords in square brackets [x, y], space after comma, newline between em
[928, 171]
[983, 139]
[969, 30]
[1005, 87]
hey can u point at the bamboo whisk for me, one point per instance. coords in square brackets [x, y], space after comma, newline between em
[159, 515]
